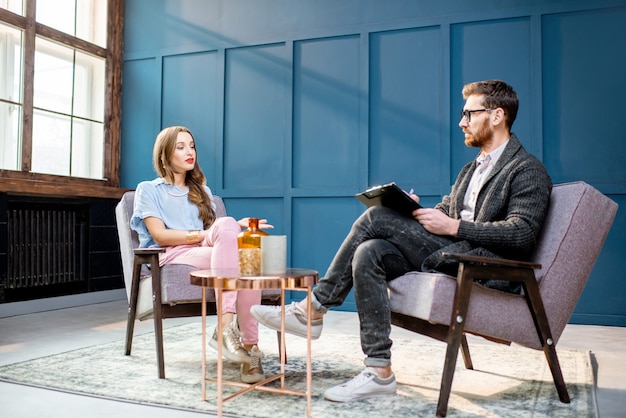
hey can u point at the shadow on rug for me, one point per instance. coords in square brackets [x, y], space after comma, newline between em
[507, 382]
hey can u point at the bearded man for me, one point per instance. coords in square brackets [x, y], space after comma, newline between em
[496, 208]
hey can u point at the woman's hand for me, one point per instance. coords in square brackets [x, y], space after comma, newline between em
[243, 223]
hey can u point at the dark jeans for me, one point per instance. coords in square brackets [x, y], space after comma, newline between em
[381, 246]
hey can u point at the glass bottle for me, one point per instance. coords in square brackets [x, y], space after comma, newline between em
[249, 244]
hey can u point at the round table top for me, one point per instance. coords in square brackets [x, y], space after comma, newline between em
[229, 279]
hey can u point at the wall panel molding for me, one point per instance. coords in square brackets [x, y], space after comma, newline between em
[298, 108]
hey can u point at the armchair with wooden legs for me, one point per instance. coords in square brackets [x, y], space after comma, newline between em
[160, 292]
[446, 308]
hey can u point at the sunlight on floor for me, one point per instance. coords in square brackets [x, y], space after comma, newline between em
[6, 348]
[111, 327]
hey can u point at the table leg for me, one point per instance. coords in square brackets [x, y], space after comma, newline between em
[283, 353]
[220, 346]
[309, 366]
[204, 289]
[220, 381]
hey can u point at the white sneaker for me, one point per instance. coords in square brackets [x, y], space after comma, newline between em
[295, 319]
[365, 385]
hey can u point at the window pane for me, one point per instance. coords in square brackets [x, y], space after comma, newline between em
[53, 76]
[58, 14]
[15, 6]
[51, 143]
[91, 21]
[10, 136]
[87, 149]
[11, 96]
[10, 64]
[69, 90]
[85, 19]
[89, 87]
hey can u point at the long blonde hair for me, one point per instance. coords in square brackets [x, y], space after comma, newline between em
[164, 148]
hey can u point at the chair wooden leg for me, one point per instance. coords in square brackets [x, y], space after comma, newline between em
[158, 335]
[278, 333]
[278, 337]
[132, 308]
[158, 316]
[467, 359]
[455, 337]
[535, 304]
[557, 375]
[447, 376]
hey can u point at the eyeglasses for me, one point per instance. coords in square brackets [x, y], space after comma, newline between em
[468, 113]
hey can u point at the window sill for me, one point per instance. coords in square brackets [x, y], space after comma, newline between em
[58, 189]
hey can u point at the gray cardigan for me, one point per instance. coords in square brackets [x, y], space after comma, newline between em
[510, 210]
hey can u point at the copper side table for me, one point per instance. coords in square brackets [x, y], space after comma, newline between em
[229, 279]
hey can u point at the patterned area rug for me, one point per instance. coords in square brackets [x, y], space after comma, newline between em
[507, 381]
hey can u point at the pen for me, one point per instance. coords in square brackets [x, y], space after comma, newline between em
[411, 191]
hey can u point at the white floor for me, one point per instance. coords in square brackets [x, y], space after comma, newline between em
[29, 336]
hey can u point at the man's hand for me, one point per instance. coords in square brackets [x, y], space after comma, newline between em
[437, 222]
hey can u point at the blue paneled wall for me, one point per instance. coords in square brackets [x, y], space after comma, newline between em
[297, 105]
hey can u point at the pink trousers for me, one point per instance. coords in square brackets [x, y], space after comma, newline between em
[219, 250]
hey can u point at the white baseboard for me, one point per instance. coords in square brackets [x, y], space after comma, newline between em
[61, 302]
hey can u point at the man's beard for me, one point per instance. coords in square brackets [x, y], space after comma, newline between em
[480, 138]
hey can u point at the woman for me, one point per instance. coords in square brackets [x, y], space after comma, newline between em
[176, 211]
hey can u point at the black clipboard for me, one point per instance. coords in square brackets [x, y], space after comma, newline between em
[391, 196]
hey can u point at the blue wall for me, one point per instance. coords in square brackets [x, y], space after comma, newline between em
[298, 105]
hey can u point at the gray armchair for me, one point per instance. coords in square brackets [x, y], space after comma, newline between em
[446, 308]
[160, 292]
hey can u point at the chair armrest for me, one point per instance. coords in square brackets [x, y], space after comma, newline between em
[148, 251]
[490, 261]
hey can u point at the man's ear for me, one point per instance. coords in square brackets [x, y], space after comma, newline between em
[497, 116]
